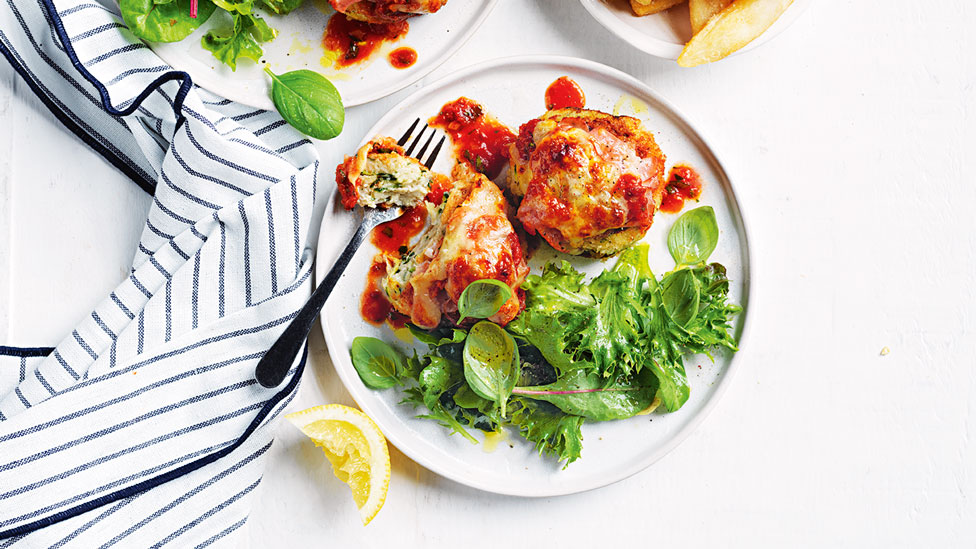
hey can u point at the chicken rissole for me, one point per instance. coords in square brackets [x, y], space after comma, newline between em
[385, 11]
[469, 238]
[589, 181]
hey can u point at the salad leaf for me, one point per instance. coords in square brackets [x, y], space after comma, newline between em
[436, 384]
[437, 337]
[281, 7]
[632, 263]
[664, 351]
[681, 294]
[581, 394]
[235, 6]
[622, 329]
[553, 432]
[376, 362]
[491, 363]
[483, 298]
[164, 20]
[693, 236]
[558, 306]
[309, 102]
[536, 370]
[242, 41]
[712, 327]
[613, 338]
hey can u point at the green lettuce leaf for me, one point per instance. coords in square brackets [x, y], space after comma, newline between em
[558, 306]
[552, 431]
[242, 41]
[281, 7]
[613, 338]
[163, 21]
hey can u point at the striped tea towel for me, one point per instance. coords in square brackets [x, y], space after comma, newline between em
[144, 426]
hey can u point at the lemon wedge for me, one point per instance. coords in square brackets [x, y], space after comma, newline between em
[356, 449]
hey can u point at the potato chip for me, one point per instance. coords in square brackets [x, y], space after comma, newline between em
[734, 27]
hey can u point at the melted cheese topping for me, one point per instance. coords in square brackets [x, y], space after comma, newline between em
[582, 176]
[472, 240]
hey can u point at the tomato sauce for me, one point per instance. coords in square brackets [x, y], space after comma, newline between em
[439, 189]
[640, 212]
[479, 139]
[393, 237]
[373, 304]
[564, 93]
[684, 183]
[402, 58]
[355, 41]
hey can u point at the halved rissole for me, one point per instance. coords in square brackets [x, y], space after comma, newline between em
[470, 238]
[380, 174]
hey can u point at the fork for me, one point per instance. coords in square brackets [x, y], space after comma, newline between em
[274, 365]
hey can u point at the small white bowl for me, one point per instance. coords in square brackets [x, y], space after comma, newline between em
[665, 34]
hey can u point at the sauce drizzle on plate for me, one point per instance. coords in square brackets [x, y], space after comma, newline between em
[563, 93]
[392, 239]
[684, 183]
[480, 141]
[402, 58]
[355, 41]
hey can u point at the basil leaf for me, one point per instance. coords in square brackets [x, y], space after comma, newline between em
[693, 237]
[588, 395]
[376, 362]
[483, 298]
[491, 363]
[309, 102]
[169, 21]
[681, 292]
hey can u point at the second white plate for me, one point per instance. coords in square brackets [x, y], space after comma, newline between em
[512, 89]
[298, 45]
[664, 34]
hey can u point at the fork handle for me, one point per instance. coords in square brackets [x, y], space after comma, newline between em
[274, 365]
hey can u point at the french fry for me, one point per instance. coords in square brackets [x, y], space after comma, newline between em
[734, 27]
[703, 10]
[647, 7]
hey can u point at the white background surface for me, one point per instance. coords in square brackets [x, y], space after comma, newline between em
[851, 138]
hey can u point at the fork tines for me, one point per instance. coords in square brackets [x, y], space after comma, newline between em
[430, 138]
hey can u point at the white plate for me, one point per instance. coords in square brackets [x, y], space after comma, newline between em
[299, 46]
[665, 34]
[512, 89]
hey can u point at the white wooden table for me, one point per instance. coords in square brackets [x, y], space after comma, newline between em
[852, 141]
